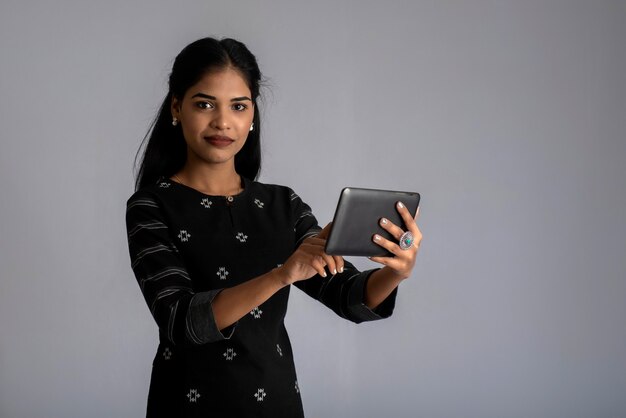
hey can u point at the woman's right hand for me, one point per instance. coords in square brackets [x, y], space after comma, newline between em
[310, 259]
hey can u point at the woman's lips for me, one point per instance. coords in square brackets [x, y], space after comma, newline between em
[219, 141]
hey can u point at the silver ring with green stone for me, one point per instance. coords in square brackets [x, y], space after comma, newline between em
[406, 240]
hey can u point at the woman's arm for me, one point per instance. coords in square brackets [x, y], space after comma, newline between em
[398, 267]
[233, 303]
[199, 317]
[380, 285]
[308, 259]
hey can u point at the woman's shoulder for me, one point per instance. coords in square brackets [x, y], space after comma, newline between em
[275, 190]
[150, 192]
[266, 187]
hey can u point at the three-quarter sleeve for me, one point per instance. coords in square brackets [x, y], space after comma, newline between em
[344, 293]
[182, 315]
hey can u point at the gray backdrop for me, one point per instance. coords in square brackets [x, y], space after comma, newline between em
[509, 117]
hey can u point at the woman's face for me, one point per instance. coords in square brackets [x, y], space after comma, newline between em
[215, 115]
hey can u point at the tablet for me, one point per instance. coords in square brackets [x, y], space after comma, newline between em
[357, 219]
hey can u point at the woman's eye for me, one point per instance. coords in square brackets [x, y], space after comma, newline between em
[204, 105]
[240, 107]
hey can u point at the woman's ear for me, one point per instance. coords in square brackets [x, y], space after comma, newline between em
[175, 107]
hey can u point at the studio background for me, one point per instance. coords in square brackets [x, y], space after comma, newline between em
[508, 117]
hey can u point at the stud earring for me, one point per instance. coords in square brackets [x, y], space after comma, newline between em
[252, 127]
[174, 122]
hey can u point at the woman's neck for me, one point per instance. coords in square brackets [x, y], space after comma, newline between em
[212, 180]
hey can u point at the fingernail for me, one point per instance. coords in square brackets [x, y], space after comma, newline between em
[334, 271]
[324, 274]
[376, 237]
[400, 205]
[383, 221]
[340, 269]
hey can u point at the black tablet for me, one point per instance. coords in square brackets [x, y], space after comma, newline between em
[357, 219]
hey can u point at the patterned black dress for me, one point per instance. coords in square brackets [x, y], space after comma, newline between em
[185, 247]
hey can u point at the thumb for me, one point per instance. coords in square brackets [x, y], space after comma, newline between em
[326, 231]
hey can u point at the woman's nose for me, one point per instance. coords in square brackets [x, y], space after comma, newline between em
[219, 121]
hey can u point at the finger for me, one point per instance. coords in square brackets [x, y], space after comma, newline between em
[339, 263]
[390, 227]
[315, 241]
[409, 221]
[417, 237]
[392, 247]
[417, 214]
[390, 262]
[381, 260]
[310, 248]
[315, 247]
[394, 265]
[318, 264]
[312, 253]
[326, 231]
[330, 263]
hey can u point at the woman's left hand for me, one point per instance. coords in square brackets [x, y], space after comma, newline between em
[403, 261]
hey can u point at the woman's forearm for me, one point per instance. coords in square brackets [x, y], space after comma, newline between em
[380, 285]
[232, 304]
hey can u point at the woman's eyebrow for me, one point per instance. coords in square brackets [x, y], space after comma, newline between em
[234, 99]
[204, 96]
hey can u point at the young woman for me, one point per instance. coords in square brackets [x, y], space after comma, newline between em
[215, 252]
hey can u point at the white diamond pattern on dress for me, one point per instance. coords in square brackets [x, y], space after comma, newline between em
[259, 203]
[241, 237]
[167, 353]
[193, 395]
[184, 235]
[260, 395]
[222, 273]
[256, 313]
[206, 203]
[230, 354]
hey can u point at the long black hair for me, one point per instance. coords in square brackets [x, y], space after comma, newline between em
[165, 150]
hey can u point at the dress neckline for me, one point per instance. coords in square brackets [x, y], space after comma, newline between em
[245, 183]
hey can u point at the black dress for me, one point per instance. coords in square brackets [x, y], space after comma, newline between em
[185, 247]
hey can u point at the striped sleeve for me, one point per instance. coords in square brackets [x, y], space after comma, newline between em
[344, 293]
[181, 314]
